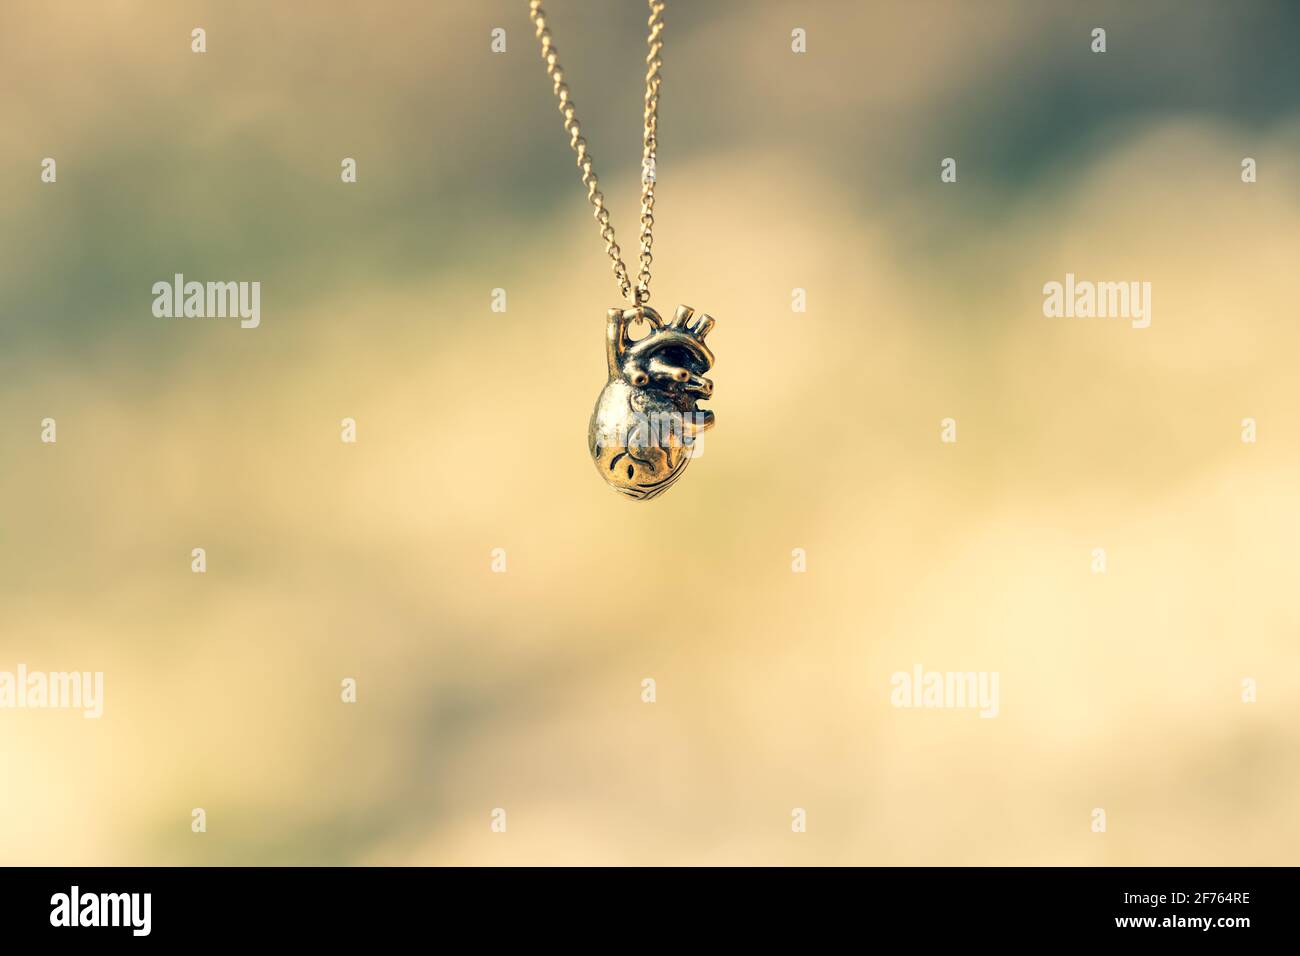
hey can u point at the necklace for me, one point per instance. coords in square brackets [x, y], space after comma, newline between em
[646, 425]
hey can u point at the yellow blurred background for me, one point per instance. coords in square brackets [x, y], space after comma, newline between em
[523, 690]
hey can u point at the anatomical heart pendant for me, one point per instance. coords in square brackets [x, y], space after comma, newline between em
[646, 426]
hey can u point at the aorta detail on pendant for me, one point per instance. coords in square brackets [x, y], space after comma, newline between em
[643, 430]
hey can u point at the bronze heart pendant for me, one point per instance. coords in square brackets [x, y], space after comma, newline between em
[643, 431]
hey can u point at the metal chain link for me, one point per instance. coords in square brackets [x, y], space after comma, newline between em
[640, 294]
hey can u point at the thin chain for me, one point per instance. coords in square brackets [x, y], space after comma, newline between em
[640, 294]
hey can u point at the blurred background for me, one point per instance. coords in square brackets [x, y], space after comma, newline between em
[522, 691]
